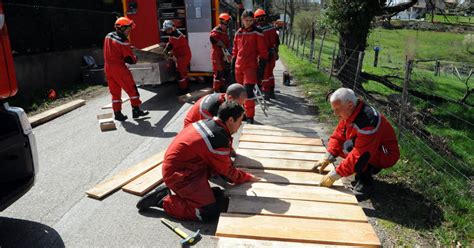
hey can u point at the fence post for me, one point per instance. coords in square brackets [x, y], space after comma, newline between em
[311, 51]
[437, 68]
[332, 61]
[304, 46]
[404, 101]
[293, 42]
[298, 45]
[359, 64]
[284, 24]
[321, 48]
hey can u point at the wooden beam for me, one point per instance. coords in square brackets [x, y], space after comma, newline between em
[296, 230]
[281, 140]
[290, 177]
[195, 95]
[281, 147]
[295, 208]
[279, 133]
[55, 112]
[279, 129]
[145, 183]
[275, 164]
[224, 242]
[304, 156]
[124, 177]
[294, 192]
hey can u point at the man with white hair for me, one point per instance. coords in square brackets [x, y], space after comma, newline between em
[363, 138]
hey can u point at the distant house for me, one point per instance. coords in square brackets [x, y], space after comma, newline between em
[421, 7]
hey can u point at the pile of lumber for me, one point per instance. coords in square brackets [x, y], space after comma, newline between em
[288, 208]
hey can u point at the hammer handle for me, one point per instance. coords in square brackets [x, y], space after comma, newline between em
[175, 229]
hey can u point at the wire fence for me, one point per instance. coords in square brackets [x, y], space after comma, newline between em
[428, 129]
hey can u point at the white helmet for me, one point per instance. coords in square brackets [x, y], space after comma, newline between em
[167, 24]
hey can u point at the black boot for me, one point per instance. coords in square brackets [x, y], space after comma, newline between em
[249, 120]
[137, 112]
[154, 199]
[272, 93]
[119, 116]
[266, 95]
[364, 186]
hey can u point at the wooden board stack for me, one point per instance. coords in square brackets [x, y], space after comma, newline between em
[288, 208]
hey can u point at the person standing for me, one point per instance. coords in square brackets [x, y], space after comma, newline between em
[249, 57]
[178, 45]
[220, 55]
[117, 52]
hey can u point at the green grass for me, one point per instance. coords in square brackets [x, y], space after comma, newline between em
[441, 206]
[451, 19]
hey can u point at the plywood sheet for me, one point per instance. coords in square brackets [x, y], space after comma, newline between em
[281, 140]
[295, 192]
[295, 208]
[305, 156]
[296, 230]
[195, 95]
[126, 176]
[223, 242]
[280, 129]
[281, 147]
[280, 133]
[146, 182]
[290, 177]
[275, 164]
[55, 112]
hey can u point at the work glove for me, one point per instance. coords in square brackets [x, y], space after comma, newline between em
[261, 69]
[329, 179]
[321, 165]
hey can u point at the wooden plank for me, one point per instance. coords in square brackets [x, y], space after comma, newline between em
[275, 164]
[296, 230]
[281, 147]
[279, 129]
[281, 140]
[294, 192]
[145, 183]
[126, 176]
[193, 96]
[290, 177]
[295, 208]
[224, 242]
[279, 133]
[55, 112]
[109, 106]
[305, 156]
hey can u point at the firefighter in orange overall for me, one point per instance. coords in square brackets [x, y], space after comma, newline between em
[178, 44]
[249, 57]
[272, 40]
[220, 55]
[117, 52]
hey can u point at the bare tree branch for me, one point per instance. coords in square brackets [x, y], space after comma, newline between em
[397, 8]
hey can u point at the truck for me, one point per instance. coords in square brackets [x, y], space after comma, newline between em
[18, 152]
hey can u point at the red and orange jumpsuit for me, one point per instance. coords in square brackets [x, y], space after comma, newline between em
[217, 57]
[179, 45]
[117, 52]
[205, 108]
[249, 48]
[272, 40]
[365, 135]
[198, 151]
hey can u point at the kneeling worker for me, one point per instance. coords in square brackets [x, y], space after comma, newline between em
[363, 137]
[207, 106]
[199, 151]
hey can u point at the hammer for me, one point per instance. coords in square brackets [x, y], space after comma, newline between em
[187, 239]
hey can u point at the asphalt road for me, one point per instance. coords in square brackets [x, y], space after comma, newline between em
[75, 155]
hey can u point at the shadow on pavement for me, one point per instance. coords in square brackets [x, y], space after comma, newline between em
[24, 233]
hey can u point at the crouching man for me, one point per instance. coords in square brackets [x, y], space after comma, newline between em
[363, 137]
[199, 151]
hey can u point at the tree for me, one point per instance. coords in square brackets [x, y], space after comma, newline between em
[293, 7]
[351, 19]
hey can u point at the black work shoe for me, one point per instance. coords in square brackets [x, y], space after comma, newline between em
[137, 112]
[249, 120]
[272, 93]
[266, 95]
[154, 199]
[363, 189]
[119, 116]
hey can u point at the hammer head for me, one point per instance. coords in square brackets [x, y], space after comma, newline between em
[191, 239]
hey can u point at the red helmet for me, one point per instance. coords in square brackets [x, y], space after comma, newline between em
[225, 17]
[124, 22]
[260, 13]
